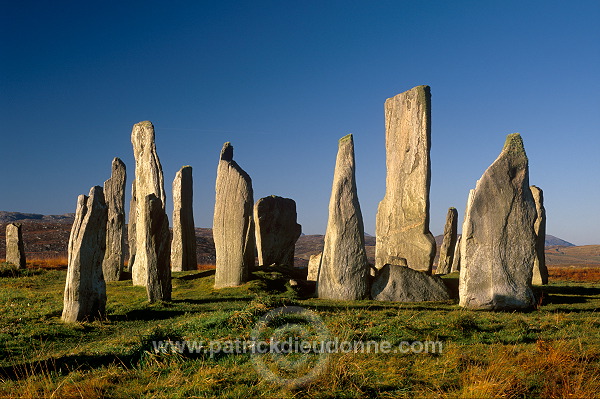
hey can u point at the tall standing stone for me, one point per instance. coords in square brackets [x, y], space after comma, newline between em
[131, 226]
[344, 270]
[498, 239]
[148, 180]
[85, 289]
[157, 250]
[314, 262]
[183, 246]
[15, 249]
[402, 226]
[233, 225]
[540, 271]
[114, 194]
[456, 259]
[276, 230]
[449, 243]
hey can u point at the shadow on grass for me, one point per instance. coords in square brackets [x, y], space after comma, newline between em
[196, 276]
[566, 295]
[146, 315]
[213, 300]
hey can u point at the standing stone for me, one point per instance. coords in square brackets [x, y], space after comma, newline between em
[148, 180]
[344, 269]
[131, 226]
[276, 230]
[402, 226]
[183, 246]
[233, 226]
[157, 250]
[314, 262]
[456, 259]
[114, 193]
[498, 240]
[449, 243]
[15, 249]
[85, 289]
[540, 271]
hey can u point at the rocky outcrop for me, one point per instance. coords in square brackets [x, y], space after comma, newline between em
[276, 230]
[148, 180]
[114, 194]
[85, 289]
[157, 250]
[183, 245]
[402, 227]
[402, 284]
[314, 262]
[540, 271]
[344, 269]
[233, 225]
[15, 248]
[498, 240]
[449, 243]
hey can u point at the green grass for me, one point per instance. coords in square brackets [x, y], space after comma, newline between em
[553, 351]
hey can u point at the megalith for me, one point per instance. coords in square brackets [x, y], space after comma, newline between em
[540, 271]
[314, 262]
[148, 180]
[183, 245]
[498, 238]
[402, 224]
[85, 289]
[131, 227]
[233, 225]
[448, 243]
[399, 283]
[456, 259]
[344, 270]
[276, 230]
[15, 248]
[157, 250]
[114, 195]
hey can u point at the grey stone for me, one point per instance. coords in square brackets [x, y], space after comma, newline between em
[157, 250]
[148, 180]
[276, 230]
[402, 284]
[15, 249]
[402, 225]
[233, 225]
[456, 259]
[183, 246]
[540, 271]
[449, 243]
[114, 194]
[85, 289]
[131, 226]
[314, 262]
[344, 270]
[498, 240]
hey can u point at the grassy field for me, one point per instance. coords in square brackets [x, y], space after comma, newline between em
[550, 352]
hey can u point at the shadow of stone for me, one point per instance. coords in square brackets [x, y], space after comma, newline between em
[195, 276]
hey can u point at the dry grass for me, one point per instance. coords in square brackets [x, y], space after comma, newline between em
[574, 273]
[206, 267]
[59, 263]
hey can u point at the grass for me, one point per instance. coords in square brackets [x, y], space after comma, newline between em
[552, 352]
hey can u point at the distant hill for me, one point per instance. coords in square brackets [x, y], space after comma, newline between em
[551, 241]
[10, 217]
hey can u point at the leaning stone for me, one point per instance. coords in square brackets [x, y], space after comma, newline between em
[114, 192]
[449, 243]
[183, 245]
[85, 289]
[276, 230]
[157, 250]
[498, 240]
[314, 263]
[233, 226]
[402, 225]
[15, 249]
[456, 259]
[148, 180]
[344, 270]
[403, 284]
[540, 271]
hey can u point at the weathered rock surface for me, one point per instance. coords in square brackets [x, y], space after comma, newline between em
[456, 259]
[276, 230]
[402, 226]
[314, 262]
[131, 226]
[233, 225]
[157, 250]
[344, 269]
[449, 243]
[148, 180]
[498, 240]
[114, 195]
[540, 271]
[85, 289]
[15, 248]
[183, 246]
[403, 284]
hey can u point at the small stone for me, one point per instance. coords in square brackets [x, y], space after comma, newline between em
[449, 243]
[403, 284]
[157, 250]
[183, 245]
[15, 249]
[456, 259]
[114, 193]
[314, 263]
[540, 271]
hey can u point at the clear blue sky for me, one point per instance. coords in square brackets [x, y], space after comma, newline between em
[283, 81]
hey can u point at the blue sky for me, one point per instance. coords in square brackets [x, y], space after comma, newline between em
[283, 81]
